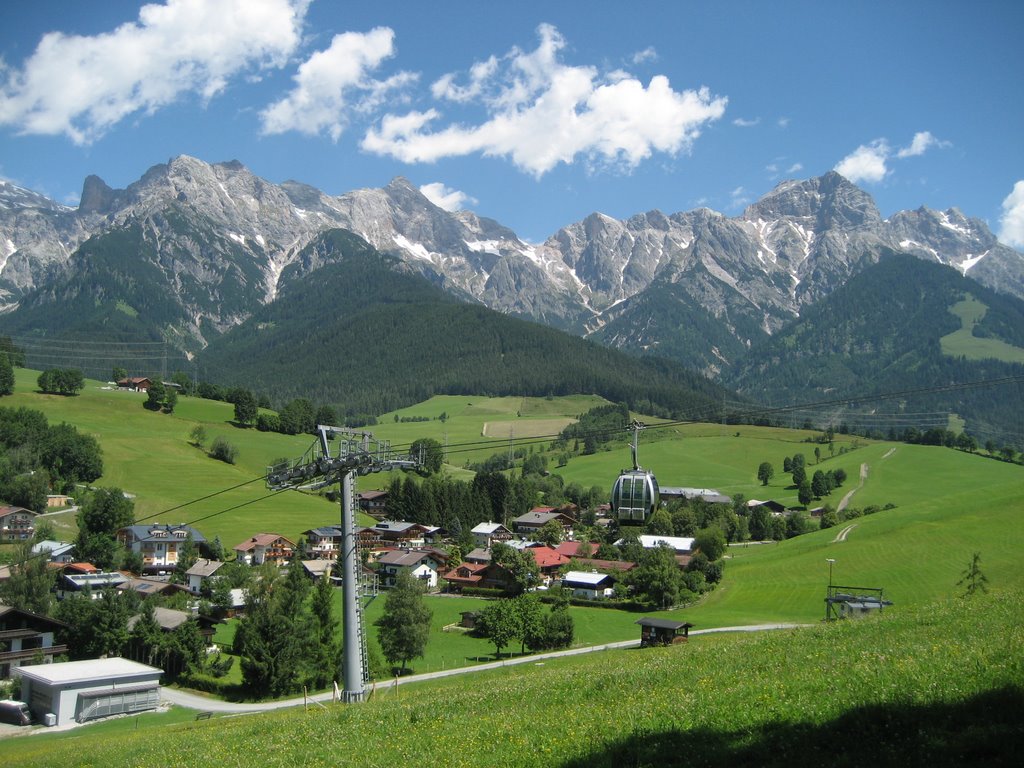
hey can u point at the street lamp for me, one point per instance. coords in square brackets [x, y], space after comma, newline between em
[830, 561]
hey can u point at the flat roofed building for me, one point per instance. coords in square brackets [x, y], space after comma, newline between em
[76, 691]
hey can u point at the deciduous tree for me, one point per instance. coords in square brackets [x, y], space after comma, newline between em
[404, 627]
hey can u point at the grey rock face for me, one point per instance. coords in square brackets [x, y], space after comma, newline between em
[237, 237]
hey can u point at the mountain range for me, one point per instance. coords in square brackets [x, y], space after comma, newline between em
[193, 250]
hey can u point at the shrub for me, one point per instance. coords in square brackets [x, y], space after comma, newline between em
[224, 451]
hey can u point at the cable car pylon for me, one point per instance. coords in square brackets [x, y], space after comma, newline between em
[356, 453]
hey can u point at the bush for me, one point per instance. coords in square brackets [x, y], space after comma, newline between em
[224, 451]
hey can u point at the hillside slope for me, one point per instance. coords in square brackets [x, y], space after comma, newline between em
[361, 334]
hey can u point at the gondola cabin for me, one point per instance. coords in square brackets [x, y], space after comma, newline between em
[635, 496]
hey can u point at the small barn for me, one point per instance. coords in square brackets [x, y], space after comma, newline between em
[663, 631]
[76, 691]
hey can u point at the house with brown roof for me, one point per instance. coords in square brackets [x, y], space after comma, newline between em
[421, 564]
[464, 575]
[374, 503]
[135, 383]
[530, 523]
[548, 561]
[263, 548]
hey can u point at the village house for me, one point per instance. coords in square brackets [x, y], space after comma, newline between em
[16, 524]
[464, 575]
[420, 564]
[324, 543]
[58, 500]
[93, 583]
[589, 585]
[135, 383]
[202, 572]
[265, 548]
[530, 523]
[60, 551]
[374, 503]
[317, 569]
[710, 495]
[485, 534]
[159, 544]
[26, 637]
[548, 561]
[148, 587]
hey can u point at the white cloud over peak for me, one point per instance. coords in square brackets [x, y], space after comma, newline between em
[445, 197]
[334, 82]
[921, 143]
[866, 162]
[1011, 223]
[541, 112]
[83, 86]
[869, 162]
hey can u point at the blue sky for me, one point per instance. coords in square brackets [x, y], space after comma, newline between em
[532, 113]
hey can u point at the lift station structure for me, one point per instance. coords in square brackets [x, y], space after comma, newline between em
[338, 456]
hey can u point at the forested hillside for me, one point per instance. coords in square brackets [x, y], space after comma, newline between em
[362, 335]
[882, 332]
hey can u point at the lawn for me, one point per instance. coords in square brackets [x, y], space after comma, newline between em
[939, 685]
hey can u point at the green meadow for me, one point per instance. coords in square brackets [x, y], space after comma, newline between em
[963, 343]
[940, 684]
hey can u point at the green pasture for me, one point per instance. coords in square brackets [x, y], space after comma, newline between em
[939, 685]
[962, 343]
[149, 456]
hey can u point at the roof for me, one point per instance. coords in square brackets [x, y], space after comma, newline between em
[585, 578]
[8, 510]
[317, 567]
[204, 567]
[55, 548]
[167, 618]
[9, 609]
[404, 557]
[397, 526]
[479, 554]
[371, 495]
[261, 540]
[99, 579]
[547, 557]
[606, 565]
[572, 548]
[489, 528]
[150, 586]
[163, 531]
[541, 515]
[84, 671]
[662, 623]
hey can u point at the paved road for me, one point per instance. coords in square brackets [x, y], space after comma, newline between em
[202, 703]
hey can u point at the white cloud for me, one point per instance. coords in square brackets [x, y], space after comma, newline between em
[869, 162]
[1011, 223]
[445, 197]
[738, 198]
[647, 54]
[541, 112]
[866, 162]
[922, 141]
[83, 86]
[783, 122]
[795, 168]
[743, 123]
[335, 81]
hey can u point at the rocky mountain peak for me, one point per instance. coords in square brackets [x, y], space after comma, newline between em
[97, 197]
[825, 202]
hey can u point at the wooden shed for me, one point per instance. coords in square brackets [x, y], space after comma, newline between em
[663, 631]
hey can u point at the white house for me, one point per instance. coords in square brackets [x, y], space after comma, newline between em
[420, 564]
[76, 691]
[203, 571]
[60, 551]
[589, 585]
[486, 533]
[159, 544]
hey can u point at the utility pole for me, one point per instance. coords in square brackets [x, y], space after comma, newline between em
[356, 453]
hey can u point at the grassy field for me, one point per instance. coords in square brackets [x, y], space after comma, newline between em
[963, 343]
[940, 685]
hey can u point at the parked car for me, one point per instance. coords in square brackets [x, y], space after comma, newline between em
[15, 712]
